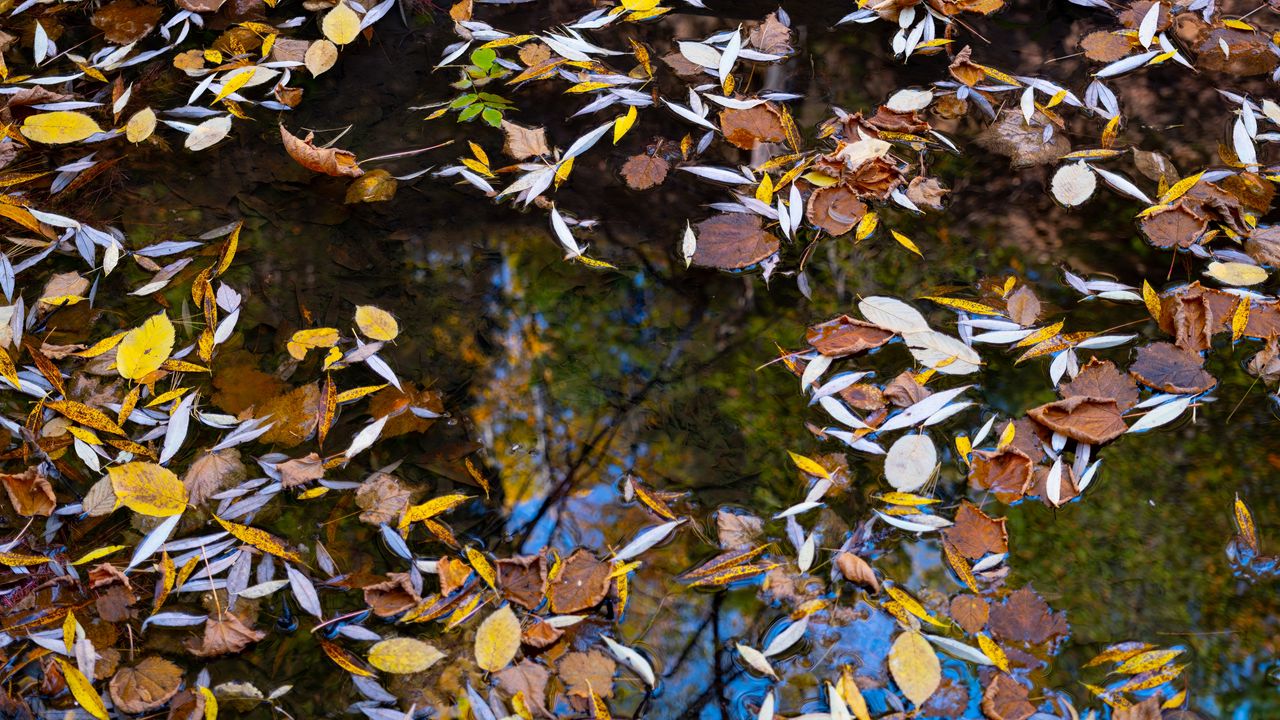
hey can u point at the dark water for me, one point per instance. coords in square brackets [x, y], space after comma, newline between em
[570, 378]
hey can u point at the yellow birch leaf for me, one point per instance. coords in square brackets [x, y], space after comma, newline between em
[1239, 319]
[148, 488]
[764, 191]
[913, 606]
[261, 539]
[59, 127]
[432, 508]
[403, 656]
[141, 125]
[376, 323]
[497, 640]
[915, 667]
[968, 306]
[320, 56]
[304, 340]
[82, 690]
[347, 396]
[809, 466]
[341, 24]
[623, 124]
[1236, 273]
[144, 349]
[964, 447]
[1006, 436]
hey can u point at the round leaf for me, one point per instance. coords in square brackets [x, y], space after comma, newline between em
[144, 349]
[341, 24]
[376, 323]
[1073, 184]
[910, 462]
[914, 667]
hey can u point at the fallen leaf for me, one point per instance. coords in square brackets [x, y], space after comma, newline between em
[57, 128]
[329, 161]
[582, 583]
[733, 241]
[497, 640]
[1084, 419]
[522, 143]
[645, 170]
[914, 667]
[584, 672]
[145, 686]
[148, 489]
[403, 656]
[974, 533]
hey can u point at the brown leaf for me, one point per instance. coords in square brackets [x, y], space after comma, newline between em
[1084, 419]
[1104, 46]
[1023, 306]
[732, 241]
[587, 672]
[329, 161]
[393, 402]
[300, 471]
[522, 143]
[1101, 378]
[382, 499]
[126, 21]
[964, 69]
[926, 192]
[845, 336]
[1155, 166]
[904, 391]
[212, 473]
[865, 397]
[527, 677]
[391, 596]
[201, 6]
[1024, 144]
[523, 579]
[737, 530]
[975, 533]
[1006, 699]
[293, 416]
[1180, 225]
[644, 171]
[835, 209]
[1006, 473]
[970, 611]
[856, 570]
[771, 36]
[582, 583]
[750, 127]
[374, 186]
[30, 492]
[145, 686]
[225, 635]
[453, 574]
[541, 634]
[1194, 313]
[1264, 320]
[1148, 709]
[1171, 369]
[1025, 617]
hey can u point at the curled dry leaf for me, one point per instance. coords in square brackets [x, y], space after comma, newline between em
[1006, 699]
[224, 635]
[1085, 419]
[856, 570]
[835, 209]
[329, 161]
[522, 143]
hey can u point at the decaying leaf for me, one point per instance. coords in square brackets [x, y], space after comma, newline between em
[329, 161]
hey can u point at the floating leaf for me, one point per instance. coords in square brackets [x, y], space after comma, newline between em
[497, 640]
[56, 128]
[915, 667]
[144, 349]
[148, 489]
[403, 656]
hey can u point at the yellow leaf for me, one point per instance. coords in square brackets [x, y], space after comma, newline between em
[1006, 436]
[320, 56]
[59, 127]
[497, 640]
[968, 306]
[403, 656]
[623, 124]
[210, 703]
[821, 180]
[852, 694]
[482, 566]
[98, 554]
[1236, 273]
[356, 393]
[304, 340]
[639, 5]
[82, 690]
[264, 541]
[1180, 188]
[86, 415]
[102, 346]
[866, 226]
[913, 606]
[1041, 335]
[168, 575]
[345, 659]
[914, 667]
[993, 652]
[1244, 523]
[341, 24]
[431, 508]
[234, 84]
[144, 349]
[1149, 660]
[376, 323]
[905, 242]
[1239, 319]
[809, 466]
[7, 369]
[599, 711]
[148, 488]
[964, 447]
[141, 125]
[13, 559]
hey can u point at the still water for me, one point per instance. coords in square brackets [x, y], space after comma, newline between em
[569, 379]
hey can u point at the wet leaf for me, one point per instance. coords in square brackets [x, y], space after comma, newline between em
[329, 161]
[915, 667]
[145, 686]
[497, 640]
[733, 241]
[403, 656]
[56, 128]
[148, 489]
[144, 349]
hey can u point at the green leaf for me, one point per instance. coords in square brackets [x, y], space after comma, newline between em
[484, 57]
[493, 116]
[470, 112]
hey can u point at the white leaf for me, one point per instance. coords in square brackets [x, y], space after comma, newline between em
[208, 133]
[1162, 415]
[1147, 28]
[1124, 65]
[919, 412]
[942, 352]
[1073, 184]
[837, 410]
[700, 54]
[730, 56]
[366, 437]
[565, 237]
[631, 659]
[304, 591]
[788, 637]
[688, 244]
[646, 540]
[892, 314]
[905, 524]
[813, 370]
[1053, 483]
[807, 550]
[1121, 183]
[153, 540]
[756, 660]
[909, 100]
[958, 649]
[910, 462]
